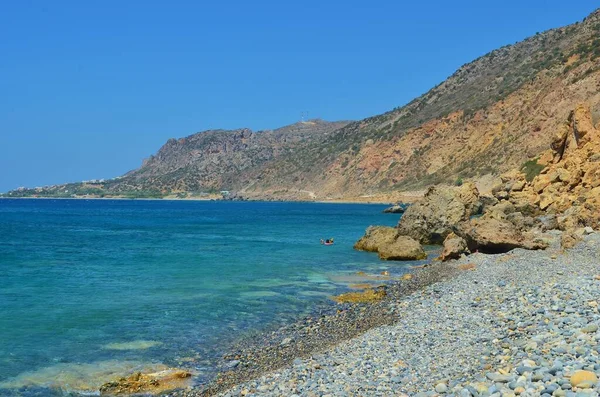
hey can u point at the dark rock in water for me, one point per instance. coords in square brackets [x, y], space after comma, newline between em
[396, 209]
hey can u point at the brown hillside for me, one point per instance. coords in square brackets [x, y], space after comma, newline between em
[490, 116]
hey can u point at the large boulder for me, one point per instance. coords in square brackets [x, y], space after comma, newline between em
[454, 247]
[389, 244]
[430, 220]
[404, 248]
[491, 235]
[375, 237]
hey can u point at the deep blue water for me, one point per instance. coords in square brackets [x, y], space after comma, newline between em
[92, 287]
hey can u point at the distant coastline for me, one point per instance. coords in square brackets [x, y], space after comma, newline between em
[377, 200]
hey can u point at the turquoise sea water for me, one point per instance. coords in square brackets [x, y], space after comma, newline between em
[92, 288]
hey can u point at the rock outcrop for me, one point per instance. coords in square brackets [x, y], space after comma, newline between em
[433, 218]
[566, 193]
[376, 237]
[395, 209]
[389, 244]
[147, 384]
[491, 235]
[404, 248]
[454, 247]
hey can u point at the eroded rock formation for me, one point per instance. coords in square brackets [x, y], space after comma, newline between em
[433, 218]
[564, 195]
[389, 244]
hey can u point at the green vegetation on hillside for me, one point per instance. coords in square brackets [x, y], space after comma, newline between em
[531, 169]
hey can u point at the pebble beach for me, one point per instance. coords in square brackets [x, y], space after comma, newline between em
[520, 323]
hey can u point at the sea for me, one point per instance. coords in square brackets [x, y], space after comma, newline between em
[91, 290]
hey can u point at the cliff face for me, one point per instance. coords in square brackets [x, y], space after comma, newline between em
[211, 160]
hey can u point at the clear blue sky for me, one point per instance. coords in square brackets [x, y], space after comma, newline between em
[88, 89]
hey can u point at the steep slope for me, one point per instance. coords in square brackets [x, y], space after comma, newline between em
[491, 115]
[208, 160]
[201, 163]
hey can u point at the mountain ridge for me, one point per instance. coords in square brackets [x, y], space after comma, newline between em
[492, 114]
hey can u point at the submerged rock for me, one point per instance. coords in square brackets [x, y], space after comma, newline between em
[366, 296]
[133, 345]
[152, 383]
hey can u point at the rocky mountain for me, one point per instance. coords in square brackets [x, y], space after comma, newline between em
[200, 164]
[491, 115]
[496, 113]
[212, 160]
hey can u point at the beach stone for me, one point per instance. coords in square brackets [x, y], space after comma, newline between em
[441, 388]
[527, 335]
[495, 377]
[232, 364]
[590, 329]
[583, 377]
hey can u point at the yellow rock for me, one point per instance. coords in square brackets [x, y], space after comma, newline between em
[366, 296]
[467, 266]
[518, 390]
[154, 383]
[361, 286]
[580, 377]
[407, 276]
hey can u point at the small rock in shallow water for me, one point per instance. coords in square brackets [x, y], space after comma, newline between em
[232, 364]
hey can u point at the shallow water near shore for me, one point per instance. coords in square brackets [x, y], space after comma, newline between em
[92, 290]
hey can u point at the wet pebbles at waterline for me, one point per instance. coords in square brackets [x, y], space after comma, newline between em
[522, 323]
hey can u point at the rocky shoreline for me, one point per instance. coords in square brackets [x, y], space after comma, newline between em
[519, 323]
[491, 330]
[269, 350]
